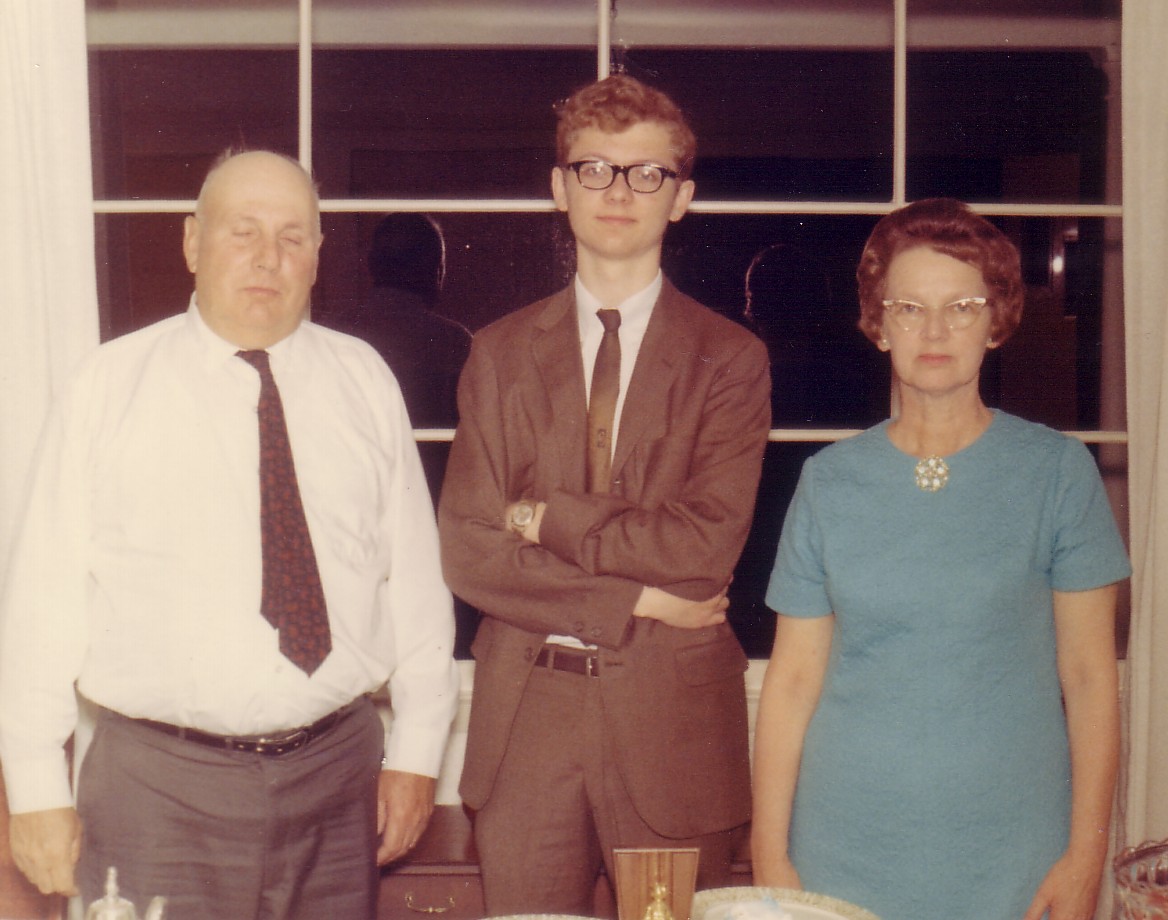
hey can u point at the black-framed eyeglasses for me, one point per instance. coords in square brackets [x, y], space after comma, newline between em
[598, 175]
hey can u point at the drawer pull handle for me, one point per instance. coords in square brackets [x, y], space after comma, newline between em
[428, 910]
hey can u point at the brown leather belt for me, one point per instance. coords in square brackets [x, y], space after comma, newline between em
[574, 661]
[268, 745]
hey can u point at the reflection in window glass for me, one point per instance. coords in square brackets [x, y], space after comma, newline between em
[495, 263]
[801, 125]
[797, 274]
[1006, 126]
[803, 302]
[797, 271]
[440, 124]
[160, 117]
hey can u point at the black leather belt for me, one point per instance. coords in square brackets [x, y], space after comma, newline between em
[268, 745]
[575, 661]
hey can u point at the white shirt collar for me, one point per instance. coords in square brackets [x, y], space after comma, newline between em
[634, 310]
[217, 350]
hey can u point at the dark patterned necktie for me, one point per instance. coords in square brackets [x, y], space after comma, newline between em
[293, 599]
[602, 402]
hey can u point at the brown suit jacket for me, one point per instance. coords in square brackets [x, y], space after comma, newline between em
[686, 467]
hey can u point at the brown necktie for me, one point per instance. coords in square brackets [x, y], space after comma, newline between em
[602, 402]
[293, 600]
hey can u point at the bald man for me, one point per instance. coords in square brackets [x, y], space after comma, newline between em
[229, 545]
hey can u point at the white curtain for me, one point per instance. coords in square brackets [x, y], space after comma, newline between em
[1145, 188]
[48, 297]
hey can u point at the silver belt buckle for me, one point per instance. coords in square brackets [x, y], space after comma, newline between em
[282, 745]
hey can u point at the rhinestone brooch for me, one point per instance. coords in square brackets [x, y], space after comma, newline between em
[932, 474]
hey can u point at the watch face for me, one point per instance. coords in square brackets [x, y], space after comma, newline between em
[522, 515]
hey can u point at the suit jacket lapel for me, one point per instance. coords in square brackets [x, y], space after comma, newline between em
[556, 351]
[666, 338]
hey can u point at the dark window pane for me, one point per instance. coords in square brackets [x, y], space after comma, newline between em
[466, 618]
[753, 621]
[803, 303]
[498, 262]
[803, 300]
[437, 123]
[798, 275]
[794, 125]
[141, 275]
[160, 117]
[1006, 126]
[495, 263]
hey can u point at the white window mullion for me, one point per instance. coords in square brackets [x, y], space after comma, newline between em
[304, 96]
[603, 38]
[899, 100]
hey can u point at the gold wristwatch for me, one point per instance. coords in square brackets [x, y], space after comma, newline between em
[521, 515]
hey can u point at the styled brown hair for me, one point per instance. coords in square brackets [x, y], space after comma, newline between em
[615, 104]
[947, 226]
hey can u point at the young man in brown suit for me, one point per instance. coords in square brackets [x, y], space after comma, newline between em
[609, 706]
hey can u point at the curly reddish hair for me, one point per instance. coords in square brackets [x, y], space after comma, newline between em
[950, 227]
[615, 104]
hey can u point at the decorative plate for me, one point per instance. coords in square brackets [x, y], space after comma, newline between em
[541, 917]
[773, 904]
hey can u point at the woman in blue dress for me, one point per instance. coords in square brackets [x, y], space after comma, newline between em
[938, 730]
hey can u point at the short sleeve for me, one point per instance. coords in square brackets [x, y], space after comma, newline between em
[1088, 551]
[798, 583]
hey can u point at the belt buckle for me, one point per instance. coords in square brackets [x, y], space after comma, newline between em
[589, 664]
[282, 745]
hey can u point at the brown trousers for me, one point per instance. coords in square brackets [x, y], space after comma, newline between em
[559, 807]
[227, 834]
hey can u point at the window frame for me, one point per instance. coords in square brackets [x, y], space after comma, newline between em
[902, 41]
[881, 31]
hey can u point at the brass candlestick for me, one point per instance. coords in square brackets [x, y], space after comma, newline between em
[658, 909]
[655, 884]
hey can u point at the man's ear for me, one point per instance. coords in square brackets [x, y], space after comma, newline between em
[681, 200]
[191, 242]
[559, 191]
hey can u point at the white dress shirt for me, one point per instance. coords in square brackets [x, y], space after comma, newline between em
[635, 313]
[137, 572]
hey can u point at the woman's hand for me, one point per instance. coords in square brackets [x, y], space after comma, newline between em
[777, 873]
[1069, 891]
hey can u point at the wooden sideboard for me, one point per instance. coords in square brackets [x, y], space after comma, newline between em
[440, 876]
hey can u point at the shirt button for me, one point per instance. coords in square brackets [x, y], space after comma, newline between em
[578, 626]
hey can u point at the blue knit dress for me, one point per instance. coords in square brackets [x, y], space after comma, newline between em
[935, 780]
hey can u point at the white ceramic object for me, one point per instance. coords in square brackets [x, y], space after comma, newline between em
[773, 904]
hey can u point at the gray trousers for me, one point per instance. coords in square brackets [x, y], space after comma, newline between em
[223, 834]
